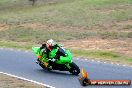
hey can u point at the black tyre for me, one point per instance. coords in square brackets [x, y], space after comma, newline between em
[42, 66]
[49, 69]
[74, 69]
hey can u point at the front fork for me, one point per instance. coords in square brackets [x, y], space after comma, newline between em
[68, 65]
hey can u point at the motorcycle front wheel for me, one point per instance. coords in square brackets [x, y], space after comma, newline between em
[74, 69]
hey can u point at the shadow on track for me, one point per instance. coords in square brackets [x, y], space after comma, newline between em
[55, 72]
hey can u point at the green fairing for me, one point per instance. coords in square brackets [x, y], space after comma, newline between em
[66, 59]
[52, 54]
[36, 50]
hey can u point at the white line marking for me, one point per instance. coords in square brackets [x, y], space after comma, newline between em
[1, 48]
[77, 58]
[18, 50]
[11, 49]
[92, 60]
[112, 63]
[127, 65]
[86, 59]
[74, 58]
[117, 64]
[98, 61]
[27, 80]
[104, 62]
[26, 51]
[124, 65]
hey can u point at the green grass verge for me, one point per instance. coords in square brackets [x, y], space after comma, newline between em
[16, 45]
[103, 55]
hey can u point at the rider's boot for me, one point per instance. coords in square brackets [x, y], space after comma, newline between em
[49, 67]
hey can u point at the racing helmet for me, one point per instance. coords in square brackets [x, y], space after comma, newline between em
[50, 44]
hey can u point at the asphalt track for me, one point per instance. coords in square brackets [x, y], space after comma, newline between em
[22, 63]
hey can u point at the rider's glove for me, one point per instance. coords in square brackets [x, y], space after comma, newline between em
[53, 60]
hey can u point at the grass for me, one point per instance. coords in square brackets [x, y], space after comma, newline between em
[77, 12]
[7, 81]
[22, 34]
[103, 55]
[16, 45]
[39, 35]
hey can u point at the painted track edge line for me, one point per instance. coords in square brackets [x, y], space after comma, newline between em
[27, 80]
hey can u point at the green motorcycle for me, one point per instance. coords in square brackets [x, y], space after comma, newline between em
[64, 63]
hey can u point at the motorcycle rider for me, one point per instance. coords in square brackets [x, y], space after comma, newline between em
[49, 49]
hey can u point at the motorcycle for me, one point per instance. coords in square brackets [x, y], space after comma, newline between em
[64, 63]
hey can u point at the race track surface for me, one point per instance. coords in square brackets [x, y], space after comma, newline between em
[21, 63]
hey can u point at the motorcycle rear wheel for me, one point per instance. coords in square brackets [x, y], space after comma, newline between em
[41, 65]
